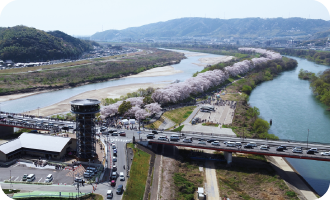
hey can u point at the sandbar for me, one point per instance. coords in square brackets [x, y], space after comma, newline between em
[159, 71]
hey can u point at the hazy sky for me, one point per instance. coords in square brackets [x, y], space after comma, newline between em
[86, 17]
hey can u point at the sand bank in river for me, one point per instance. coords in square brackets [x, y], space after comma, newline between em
[213, 60]
[159, 71]
[110, 92]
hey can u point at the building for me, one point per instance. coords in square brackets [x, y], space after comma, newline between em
[37, 145]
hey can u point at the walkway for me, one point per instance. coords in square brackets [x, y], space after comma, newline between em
[167, 123]
[211, 185]
[191, 116]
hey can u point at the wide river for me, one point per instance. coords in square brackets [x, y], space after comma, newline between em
[286, 99]
[290, 103]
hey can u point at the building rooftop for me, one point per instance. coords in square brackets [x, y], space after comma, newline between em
[35, 141]
[85, 102]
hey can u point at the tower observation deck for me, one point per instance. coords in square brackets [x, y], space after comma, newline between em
[85, 110]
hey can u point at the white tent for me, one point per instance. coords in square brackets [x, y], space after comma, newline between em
[132, 121]
[124, 121]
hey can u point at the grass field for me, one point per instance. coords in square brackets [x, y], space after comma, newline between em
[179, 115]
[138, 175]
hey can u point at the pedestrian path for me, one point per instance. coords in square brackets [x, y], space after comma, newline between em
[120, 140]
[211, 185]
[166, 124]
[78, 172]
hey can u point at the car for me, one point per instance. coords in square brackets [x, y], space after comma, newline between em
[122, 133]
[280, 148]
[88, 174]
[297, 150]
[114, 159]
[109, 194]
[114, 168]
[114, 176]
[150, 136]
[154, 132]
[210, 140]
[114, 134]
[310, 152]
[238, 144]
[187, 140]
[284, 147]
[230, 144]
[24, 177]
[174, 138]
[253, 144]
[162, 138]
[92, 169]
[49, 178]
[325, 153]
[248, 146]
[202, 142]
[120, 189]
[34, 131]
[121, 176]
[313, 149]
[65, 128]
[114, 146]
[215, 143]
[263, 147]
[113, 183]
[70, 126]
[103, 128]
[114, 151]
[201, 139]
[79, 180]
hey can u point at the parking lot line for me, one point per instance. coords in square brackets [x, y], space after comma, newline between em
[16, 178]
[39, 180]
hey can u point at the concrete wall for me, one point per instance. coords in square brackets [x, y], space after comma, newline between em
[3, 157]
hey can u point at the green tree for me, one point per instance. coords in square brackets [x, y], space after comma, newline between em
[253, 112]
[124, 107]
[261, 126]
[148, 100]
[246, 89]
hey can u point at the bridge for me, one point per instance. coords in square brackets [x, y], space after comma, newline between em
[273, 144]
[9, 121]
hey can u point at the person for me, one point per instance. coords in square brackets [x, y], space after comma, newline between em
[124, 166]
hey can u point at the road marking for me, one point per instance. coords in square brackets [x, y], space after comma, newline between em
[39, 180]
[16, 178]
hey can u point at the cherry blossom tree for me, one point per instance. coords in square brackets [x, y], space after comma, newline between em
[153, 108]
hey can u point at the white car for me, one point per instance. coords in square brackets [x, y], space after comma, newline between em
[215, 143]
[121, 176]
[297, 150]
[202, 142]
[187, 140]
[49, 178]
[162, 138]
[325, 153]
[263, 147]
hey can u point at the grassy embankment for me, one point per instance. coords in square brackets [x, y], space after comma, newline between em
[83, 74]
[178, 116]
[138, 175]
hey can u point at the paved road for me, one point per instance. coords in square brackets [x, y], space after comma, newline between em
[211, 185]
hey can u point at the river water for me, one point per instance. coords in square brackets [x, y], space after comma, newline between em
[290, 103]
[49, 98]
[286, 99]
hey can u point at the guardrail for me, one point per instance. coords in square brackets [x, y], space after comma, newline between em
[16, 196]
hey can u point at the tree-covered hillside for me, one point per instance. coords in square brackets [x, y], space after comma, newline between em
[24, 44]
[220, 28]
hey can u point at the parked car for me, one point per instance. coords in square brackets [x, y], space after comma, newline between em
[79, 180]
[120, 189]
[24, 177]
[215, 143]
[122, 133]
[114, 159]
[114, 176]
[115, 151]
[49, 178]
[113, 183]
[114, 168]
[114, 146]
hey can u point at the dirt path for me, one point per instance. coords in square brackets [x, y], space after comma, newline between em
[211, 185]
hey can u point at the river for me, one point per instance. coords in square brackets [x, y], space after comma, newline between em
[290, 103]
[286, 99]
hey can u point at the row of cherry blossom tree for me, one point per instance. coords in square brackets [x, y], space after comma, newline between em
[203, 81]
[138, 110]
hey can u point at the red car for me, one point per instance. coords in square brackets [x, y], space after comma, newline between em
[122, 133]
[113, 183]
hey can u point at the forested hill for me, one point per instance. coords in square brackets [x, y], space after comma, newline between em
[24, 44]
[220, 28]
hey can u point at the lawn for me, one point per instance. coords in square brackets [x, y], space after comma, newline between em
[180, 114]
[138, 175]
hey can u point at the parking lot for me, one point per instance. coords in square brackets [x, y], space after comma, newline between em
[61, 177]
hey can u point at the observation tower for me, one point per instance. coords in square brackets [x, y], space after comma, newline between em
[85, 110]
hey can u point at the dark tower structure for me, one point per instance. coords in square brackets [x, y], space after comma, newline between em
[85, 110]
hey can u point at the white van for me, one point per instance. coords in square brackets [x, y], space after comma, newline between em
[174, 138]
[231, 144]
[30, 178]
[121, 176]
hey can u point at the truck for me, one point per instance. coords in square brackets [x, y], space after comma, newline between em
[207, 108]
[200, 193]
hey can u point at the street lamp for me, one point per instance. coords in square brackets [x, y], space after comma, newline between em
[38, 111]
[307, 138]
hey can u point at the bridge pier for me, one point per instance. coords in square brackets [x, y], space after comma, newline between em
[6, 130]
[228, 156]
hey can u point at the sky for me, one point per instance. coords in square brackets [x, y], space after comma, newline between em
[86, 17]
